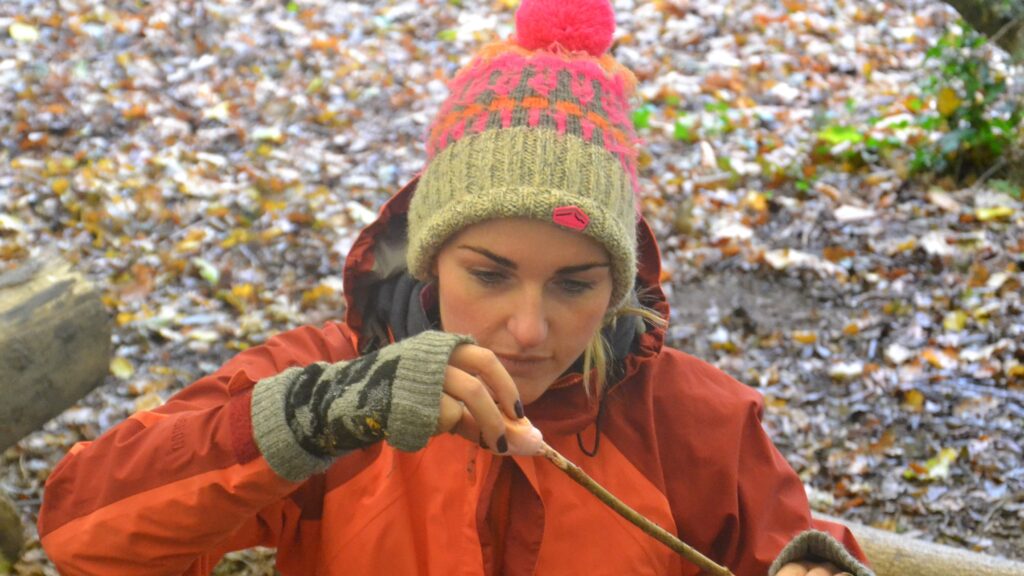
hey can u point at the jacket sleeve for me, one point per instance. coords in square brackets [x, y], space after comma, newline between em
[169, 491]
[774, 515]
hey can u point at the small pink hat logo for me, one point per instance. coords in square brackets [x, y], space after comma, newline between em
[571, 217]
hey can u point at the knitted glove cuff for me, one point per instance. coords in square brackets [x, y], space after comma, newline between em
[817, 545]
[416, 392]
[274, 437]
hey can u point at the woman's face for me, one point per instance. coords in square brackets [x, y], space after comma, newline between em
[531, 292]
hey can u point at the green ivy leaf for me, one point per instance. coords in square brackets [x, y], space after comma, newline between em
[930, 122]
[1006, 187]
[683, 130]
[720, 107]
[951, 141]
[642, 117]
[838, 134]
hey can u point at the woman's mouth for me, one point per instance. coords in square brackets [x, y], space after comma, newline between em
[519, 364]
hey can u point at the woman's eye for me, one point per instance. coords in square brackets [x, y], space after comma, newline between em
[574, 287]
[488, 277]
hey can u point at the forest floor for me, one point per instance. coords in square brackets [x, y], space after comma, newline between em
[208, 164]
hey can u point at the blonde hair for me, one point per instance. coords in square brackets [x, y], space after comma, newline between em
[595, 356]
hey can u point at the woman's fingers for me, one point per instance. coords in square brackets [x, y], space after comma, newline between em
[483, 364]
[523, 438]
[824, 569]
[808, 568]
[477, 399]
[481, 403]
[455, 419]
[792, 569]
[451, 413]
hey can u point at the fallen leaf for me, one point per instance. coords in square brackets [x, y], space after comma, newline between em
[913, 400]
[10, 224]
[943, 200]
[805, 336]
[898, 354]
[846, 370]
[60, 186]
[937, 358]
[755, 201]
[22, 32]
[122, 368]
[948, 102]
[220, 112]
[955, 321]
[936, 468]
[147, 402]
[837, 253]
[207, 271]
[935, 243]
[994, 213]
[136, 112]
[847, 213]
[268, 134]
[789, 258]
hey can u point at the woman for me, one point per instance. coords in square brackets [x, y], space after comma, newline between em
[512, 276]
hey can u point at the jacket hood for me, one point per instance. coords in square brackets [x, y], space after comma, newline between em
[384, 304]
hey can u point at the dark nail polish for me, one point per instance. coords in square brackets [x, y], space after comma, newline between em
[502, 444]
[519, 409]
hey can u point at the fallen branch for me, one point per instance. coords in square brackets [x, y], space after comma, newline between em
[12, 535]
[54, 343]
[892, 554]
[659, 533]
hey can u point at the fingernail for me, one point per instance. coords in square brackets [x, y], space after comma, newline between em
[502, 444]
[519, 409]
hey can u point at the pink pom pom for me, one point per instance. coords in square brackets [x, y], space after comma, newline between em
[576, 25]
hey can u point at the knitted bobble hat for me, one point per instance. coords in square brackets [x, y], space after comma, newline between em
[537, 126]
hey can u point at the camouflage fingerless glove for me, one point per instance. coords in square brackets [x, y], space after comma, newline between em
[305, 417]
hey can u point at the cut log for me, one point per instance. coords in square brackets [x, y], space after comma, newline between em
[891, 554]
[54, 344]
[12, 536]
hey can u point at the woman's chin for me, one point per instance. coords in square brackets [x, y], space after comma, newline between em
[530, 389]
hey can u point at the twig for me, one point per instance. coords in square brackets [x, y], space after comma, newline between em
[1006, 28]
[659, 533]
[988, 173]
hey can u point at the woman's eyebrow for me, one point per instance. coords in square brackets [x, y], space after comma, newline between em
[499, 260]
[506, 263]
[583, 267]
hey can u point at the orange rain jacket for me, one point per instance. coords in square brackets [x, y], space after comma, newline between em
[171, 490]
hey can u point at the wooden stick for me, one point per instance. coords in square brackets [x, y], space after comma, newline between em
[659, 533]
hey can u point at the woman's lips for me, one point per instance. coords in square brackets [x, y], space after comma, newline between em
[520, 364]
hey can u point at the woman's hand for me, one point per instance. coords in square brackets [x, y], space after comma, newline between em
[808, 568]
[481, 403]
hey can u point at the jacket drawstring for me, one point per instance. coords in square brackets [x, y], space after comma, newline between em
[597, 428]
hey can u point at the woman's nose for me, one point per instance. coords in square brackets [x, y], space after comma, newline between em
[528, 323]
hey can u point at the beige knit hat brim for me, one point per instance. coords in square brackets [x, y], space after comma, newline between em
[525, 172]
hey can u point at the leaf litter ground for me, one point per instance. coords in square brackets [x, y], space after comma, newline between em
[209, 164]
